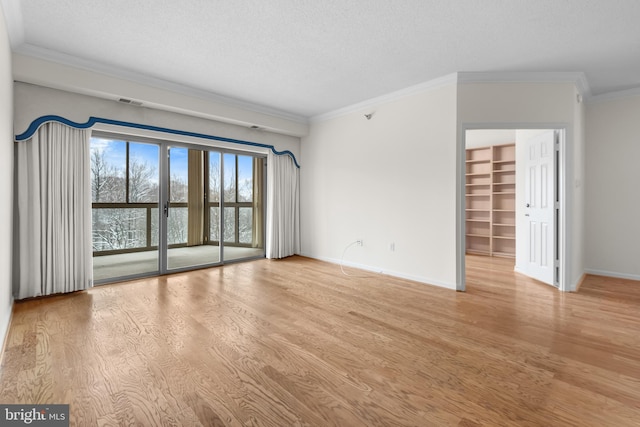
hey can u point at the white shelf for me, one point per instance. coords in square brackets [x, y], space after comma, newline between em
[481, 214]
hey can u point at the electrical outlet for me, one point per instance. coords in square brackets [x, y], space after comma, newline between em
[359, 242]
[392, 246]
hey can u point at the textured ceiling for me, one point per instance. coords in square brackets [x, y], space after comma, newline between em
[309, 57]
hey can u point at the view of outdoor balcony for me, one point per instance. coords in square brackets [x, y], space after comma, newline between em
[126, 210]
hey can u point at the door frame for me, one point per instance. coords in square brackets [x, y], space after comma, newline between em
[163, 221]
[163, 246]
[563, 195]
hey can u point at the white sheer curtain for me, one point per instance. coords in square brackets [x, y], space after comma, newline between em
[283, 207]
[53, 217]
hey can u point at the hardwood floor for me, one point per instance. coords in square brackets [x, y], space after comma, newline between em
[296, 342]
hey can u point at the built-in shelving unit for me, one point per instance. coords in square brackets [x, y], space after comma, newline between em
[490, 199]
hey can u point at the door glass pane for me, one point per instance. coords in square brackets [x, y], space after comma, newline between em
[214, 224]
[177, 226]
[214, 177]
[229, 178]
[245, 178]
[187, 231]
[178, 175]
[245, 226]
[108, 170]
[143, 173]
[119, 228]
[229, 225]
[124, 218]
[214, 198]
[154, 227]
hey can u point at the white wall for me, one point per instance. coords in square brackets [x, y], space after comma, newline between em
[32, 102]
[477, 138]
[612, 187]
[577, 219]
[535, 105]
[6, 178]
[391, 179]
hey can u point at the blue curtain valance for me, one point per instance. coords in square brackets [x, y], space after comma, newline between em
[33, 127]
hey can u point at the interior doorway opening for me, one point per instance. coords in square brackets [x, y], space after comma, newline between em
[512, 200]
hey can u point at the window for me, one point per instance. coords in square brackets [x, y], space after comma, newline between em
[124, 188]
[239, 198]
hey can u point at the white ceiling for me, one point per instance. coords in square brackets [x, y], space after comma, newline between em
[309, 57]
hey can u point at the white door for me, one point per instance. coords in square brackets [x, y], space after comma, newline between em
[540, 207]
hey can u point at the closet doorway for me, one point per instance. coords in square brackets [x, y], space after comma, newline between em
[512, 200]
[161, 207]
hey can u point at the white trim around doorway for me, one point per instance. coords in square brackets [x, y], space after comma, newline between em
[565, 194]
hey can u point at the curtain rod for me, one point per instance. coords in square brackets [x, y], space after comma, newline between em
[33, 127]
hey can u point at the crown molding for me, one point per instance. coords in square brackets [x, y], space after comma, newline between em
[579, 79]
[613, 96]
[402, 93]
[36, 52]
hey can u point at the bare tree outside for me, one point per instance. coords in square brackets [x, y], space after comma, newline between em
[126, 197]
[107, 182]
[143, 186]
[178, 219]
[121, 227]
[214, 196]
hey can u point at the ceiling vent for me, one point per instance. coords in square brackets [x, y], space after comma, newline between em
[130, 102]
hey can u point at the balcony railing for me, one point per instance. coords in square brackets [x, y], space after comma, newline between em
[133, 227]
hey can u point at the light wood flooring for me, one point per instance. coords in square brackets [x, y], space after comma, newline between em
[296, 342]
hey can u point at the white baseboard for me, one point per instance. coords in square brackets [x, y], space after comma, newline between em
[379, 270]
[612, 274]
[576, 285]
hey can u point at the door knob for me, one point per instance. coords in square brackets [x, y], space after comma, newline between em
[527, 204]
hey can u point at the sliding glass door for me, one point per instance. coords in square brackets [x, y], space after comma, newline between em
[194, 184]
[199, 207]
